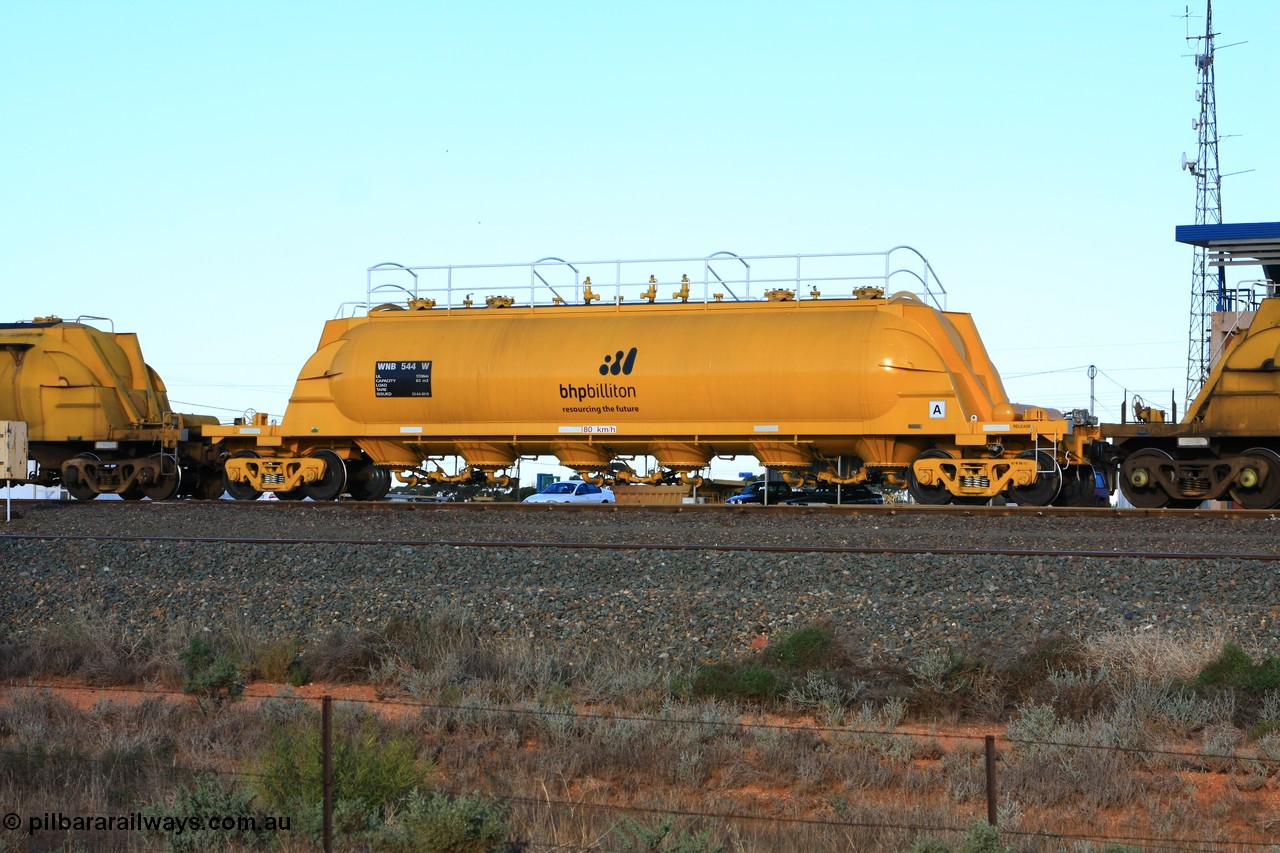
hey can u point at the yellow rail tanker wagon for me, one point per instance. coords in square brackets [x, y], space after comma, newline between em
[806, 363]
[98, 417]
[1227, 445]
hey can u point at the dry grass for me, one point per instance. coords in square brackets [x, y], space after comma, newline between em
[607, 731]
[1153, 656]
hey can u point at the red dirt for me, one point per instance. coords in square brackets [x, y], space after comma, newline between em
[1243, 814]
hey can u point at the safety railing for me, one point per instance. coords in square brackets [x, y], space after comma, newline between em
[719, 277]
[1246, 296]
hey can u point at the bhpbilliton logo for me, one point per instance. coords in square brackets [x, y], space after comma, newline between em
[619, 364]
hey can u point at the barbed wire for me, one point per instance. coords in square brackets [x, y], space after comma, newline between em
[671, 720]
[847, 824]
[1144, 841]
[127, 762]
[737, 816]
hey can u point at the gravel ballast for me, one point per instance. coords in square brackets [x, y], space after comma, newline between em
[691, 603]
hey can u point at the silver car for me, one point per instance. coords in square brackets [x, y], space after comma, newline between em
[572, 492]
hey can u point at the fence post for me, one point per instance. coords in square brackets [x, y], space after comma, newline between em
[991, 779]
[326, 769]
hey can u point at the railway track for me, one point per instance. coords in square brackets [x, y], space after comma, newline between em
[656, 546]
[1187, 535]
[687, 581]
[1010, 511]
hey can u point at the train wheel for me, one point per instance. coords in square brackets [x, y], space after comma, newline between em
[334, 480]
[1259, 483]
[133, 493]
[1070, 486]
[368, 482]
[75, 485]
[167, 484]
[921, 494]
[209, 486]
[384, 484]
[292, 495]
[1077, 487]
[1138, 481]
[241, 491]
[165, 488]
[1047, 485]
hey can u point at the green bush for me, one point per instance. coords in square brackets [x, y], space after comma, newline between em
[297, 675]
[439, 823]
[1235, 670]
[210, 676]
[715, 680]
[656, 837]
[757, 682]
[752, 683]
[211, 798]
[804, 649]
[982, 837]
[372, 767]
[1248, 683]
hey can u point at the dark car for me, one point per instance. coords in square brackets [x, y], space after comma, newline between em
[1101, 494]
[828, 495]
[754, 494]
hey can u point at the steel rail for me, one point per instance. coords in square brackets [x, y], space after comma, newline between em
[663, 509]
[649, 546]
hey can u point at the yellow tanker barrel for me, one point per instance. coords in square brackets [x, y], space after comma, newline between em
[844, 389]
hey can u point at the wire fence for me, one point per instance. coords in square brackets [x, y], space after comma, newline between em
[1003, 761]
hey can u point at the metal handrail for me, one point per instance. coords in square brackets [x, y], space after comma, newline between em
[712, 270]
[533, 268]
[107, 320]
[613, 282]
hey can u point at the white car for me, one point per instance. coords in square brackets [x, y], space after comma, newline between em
[572, 492]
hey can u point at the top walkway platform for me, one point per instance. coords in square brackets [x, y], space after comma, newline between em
[718, 277]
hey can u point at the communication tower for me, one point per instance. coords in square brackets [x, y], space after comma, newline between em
[1208, 286]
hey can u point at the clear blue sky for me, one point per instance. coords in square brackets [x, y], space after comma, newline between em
[217, 177]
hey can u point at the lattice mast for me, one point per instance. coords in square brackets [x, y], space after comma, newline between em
[1208, 286]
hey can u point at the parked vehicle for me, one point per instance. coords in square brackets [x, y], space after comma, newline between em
[754, 493]
[1101, 494]
[572, 492]
[830, 495]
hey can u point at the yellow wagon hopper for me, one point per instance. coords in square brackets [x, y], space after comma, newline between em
[1227, 444]
[98, 417]
[860, 388]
